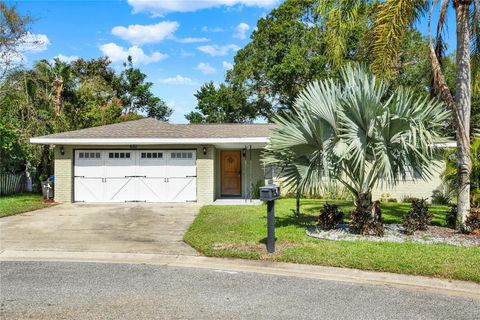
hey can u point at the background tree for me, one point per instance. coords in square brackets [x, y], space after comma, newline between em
[286, 52]
[14, 29]
[296, 43]
[227, 104]
[135, 94]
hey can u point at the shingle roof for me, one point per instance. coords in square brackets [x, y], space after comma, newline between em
[151, 128]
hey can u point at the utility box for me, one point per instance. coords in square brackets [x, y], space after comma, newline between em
[269, 192]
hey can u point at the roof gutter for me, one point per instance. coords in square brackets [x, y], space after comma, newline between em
[145, 141]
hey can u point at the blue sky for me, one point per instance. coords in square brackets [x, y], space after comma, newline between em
[179, 44]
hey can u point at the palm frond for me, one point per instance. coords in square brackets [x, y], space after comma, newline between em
[393, 19]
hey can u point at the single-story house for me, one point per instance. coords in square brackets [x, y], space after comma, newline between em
[154, 161]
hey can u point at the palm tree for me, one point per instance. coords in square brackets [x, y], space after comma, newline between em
[391, 19]
[57, 75]
[355, 132]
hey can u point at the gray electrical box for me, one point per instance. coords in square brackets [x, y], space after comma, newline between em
[269, 192]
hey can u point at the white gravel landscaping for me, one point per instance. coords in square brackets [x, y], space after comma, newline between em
[394, 233]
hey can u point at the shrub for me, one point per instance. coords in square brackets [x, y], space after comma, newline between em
[418, 218]
[440, 197]
[473, 221]
[256, 188]
[409, 199]
[384, 197]
[330, 216]
[392, 200]
[368, 221]
[451, 216]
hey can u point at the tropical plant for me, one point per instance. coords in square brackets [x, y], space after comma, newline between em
[357, 133]
[441, 197]
[391, 21]
[451, 216]
[450, 176]
[418, 217]
[473, 221]
[330, 216]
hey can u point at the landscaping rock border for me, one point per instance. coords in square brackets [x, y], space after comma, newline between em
[394, 233]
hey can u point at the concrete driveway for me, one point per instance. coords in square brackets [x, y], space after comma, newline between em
[133, 228]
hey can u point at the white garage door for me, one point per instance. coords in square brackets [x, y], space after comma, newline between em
[135, 175]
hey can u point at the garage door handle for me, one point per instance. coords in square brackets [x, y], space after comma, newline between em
[190, 176]
[135, 176]
[79, 176]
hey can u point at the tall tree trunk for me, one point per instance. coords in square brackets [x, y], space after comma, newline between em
[463, 104]
[58, 84]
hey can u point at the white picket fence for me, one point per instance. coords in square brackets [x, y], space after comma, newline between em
[11, 183]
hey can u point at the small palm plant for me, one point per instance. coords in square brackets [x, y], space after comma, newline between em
[358, 133]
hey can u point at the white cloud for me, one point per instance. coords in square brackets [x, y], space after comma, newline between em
[186, 53]
[215, 29]
[118, 53]
[140, 34]
[34, 42]
[205, 68]
[178, 79]
[241, 31]
[192, 40]
[216, 50]
[227, 65]
[66, 59]
[162, 7]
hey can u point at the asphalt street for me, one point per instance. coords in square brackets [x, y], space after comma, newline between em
[66, 290]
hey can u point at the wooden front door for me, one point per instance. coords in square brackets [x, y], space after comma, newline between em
[231, 173]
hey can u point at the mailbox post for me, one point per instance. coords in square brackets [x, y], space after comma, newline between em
[269, 193]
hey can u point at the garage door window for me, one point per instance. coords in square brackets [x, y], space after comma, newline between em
[181, 155]
[89, 155]
[152, 155]
[119, 155]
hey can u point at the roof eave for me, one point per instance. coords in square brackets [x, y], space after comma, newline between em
[146, 141]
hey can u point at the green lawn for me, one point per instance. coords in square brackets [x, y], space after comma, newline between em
[10, 205]
[240, 231]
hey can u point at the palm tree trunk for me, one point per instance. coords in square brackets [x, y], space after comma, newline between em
[363, 200]
[463, 104]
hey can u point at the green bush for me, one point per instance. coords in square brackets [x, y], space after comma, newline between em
[418, 218]
[330, 216]
[440, 197]
[409, 199]
[365, 223]
[256, 188]
[451, 216]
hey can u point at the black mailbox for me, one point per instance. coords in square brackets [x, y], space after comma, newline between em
[269, 192]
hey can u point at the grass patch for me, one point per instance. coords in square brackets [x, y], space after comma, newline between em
[240, 232]
[18, 203]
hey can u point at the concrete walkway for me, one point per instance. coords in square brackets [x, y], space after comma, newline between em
[417, 283]
[127, 228]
